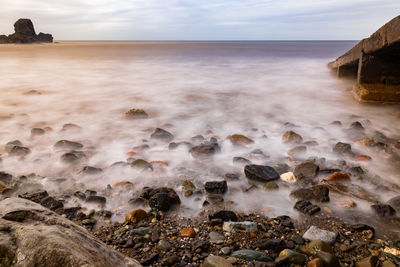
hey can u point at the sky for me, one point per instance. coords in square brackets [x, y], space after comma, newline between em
[201, 19]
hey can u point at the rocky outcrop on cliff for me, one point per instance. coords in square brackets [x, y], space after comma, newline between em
[25, 34]
[31, 235]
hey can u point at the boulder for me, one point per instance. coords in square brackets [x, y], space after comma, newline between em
[36, 236]
[163, 199]
[292, 137]
[204, 150]
[162, 135]
[306, 207]
[25, 34]
[216, 187]
[342, 148]
[314, 233]
[319, 193]
[306, 170]
[260, 173]
[240, 140]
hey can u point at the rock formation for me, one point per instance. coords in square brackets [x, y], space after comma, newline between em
[25, 34]
[374, 62]
[31, 235]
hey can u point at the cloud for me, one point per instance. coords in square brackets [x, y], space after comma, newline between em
[207, 19]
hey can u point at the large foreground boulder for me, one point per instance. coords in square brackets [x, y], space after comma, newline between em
[31, 235]
[25, 34]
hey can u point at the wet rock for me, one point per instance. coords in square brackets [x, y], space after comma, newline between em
[19, 151]
[356, 171]
[136, 114]
[51, 203]
[250, 255]
[224, 215]
[47, 239]
[288, 257]
[364, 158]
[188, 232]
[170, 260]
[37, 131]
[357, 126]
[71, 127]
[96, 199]
[270, 186]
[37, 196]
[5, 177]
[292, 137]
[338, 177]
[215, 261]
[342, 148]
[69, 158]
[149, 259]
[141, 164]
[231, 176]
[277, 245]
[371, 261]
[393, 202]
[213, 199]
[216, 187]
[260, 173]
[89, 170]
[328, 259]
[204, 151]
[164, 245]
[297, 151]
[288, 177]
[314, 247]
[383, 210]
[241, 161]
[216, 237]
[317, 262]
[202, 245]
[164, 200]
[162, 135]
[306, 207]
[319, 193]
[306, 170]
[136, 216]
[104, 213]
[71, 213]
[11, 144]
[247, 226]
[240, 140]
[315, 233]
[70, 145]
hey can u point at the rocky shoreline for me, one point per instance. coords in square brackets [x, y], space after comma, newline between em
[25, 34]
[155, 234]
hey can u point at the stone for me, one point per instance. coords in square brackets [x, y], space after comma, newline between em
[5, 177]
[314, 247]
[315, 263]
[224, 215]
[216, 237]
[89, 170]
[44, 37]
[65, 144]
[162, 135]
[136, 114]
[297, 151]
[240, 140]
[277, 245]
[342, 148]
[11, 144]
[319, 193]
[231, 176]
[142, 231]
[393, 202]
[315, 233]
[149, 259]
[188, 232]
[270, 186]
[328, 259]
[306, 170]
[202, 245]
[36, 196]
[306, 207]
[204, 151]
[164, 200]
[365, 158]
[240, 161]
[250, 255]
[69, 158]
[292, 137]
[288, 177]
[287, 257]
[19, 151]
[51, 203]
[383, 210]
[216, 261]
[37, 131]
[25, 34]
[247, 226]
[338, 177]
[370, 261]
[96, 199]
[260, 173]
[367, 230]
[141, 164]
[136, 216]
[71, 127]
[187, 185]
[38, 236]
[216, 187]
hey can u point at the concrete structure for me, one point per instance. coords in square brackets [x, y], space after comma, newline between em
[375, 63]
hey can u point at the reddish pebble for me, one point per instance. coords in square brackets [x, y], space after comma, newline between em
[130, 153]
[163, 163]
[338, 176]
[253, 235]
[188, 232]
[362, 158]
[315, 263]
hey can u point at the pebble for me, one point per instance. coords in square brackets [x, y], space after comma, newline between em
[240, 140]
[248, 254]
[315, 233]
[136, 216]
[250, 227]
[260, 173]
[216, 261]
[288, 177]
[292, 137]
[216, 237]
[188, 232]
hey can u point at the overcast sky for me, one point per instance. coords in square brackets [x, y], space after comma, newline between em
[201, 19]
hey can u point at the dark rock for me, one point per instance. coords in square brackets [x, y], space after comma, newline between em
[136, 114]
[35, 196]
[19, 151]
[285, 221]
[149, 259]
[250, 255]
[204, 150]
[96, 199]
[51, 203]
[224, 215]
[277, 245]
[91, 170]
[11, 144]
[306, 207]
[71, 213]
[44, 37]
[231, 176]
[394, 202]
[292, 137]
[65, 144]
[319, 193]
[5, 177]
[297, 151]
[71, 127]
[260, 173]
[342, 148]
[357, 126]
[161, 134]
[25, 34]
[306, 170]
[3, 39]
[216, 187]
[383, 210]
[356, 171]
[37, 131]
[204, 245]
[362, 228]
[104, 213]
[170, 260]
[164, 201]
[241, 161]
[198, 138]
[70, 158]
[80, 195]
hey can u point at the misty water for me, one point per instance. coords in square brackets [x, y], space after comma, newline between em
[213, 89]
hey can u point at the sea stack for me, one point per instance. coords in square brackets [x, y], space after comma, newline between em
[25, 34]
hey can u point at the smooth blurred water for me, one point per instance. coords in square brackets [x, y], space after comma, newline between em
[187, 88]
